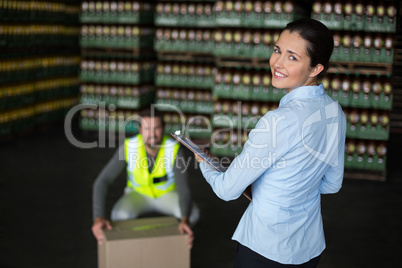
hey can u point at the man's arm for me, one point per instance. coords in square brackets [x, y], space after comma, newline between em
[185, 201]
[180, 174]
[107, 176]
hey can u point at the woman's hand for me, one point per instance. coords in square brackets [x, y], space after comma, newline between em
[199, 159]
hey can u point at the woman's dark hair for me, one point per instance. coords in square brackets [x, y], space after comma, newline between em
[319, 39]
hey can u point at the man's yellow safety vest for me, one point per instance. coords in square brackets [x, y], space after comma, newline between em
[161, 179]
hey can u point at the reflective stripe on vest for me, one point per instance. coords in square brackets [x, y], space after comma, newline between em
[138, 176]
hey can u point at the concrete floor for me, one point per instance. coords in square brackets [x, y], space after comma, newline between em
[45, 210]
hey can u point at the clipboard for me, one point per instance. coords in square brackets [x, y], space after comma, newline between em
[210, 161]
[214, 163]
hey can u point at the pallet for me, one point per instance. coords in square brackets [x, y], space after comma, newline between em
[363, 68]
[373, 175]
[185, 56]
[262, 63]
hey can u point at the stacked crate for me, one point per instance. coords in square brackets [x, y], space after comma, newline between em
[244, 39]
[117, 69]
[39, 63]
[186, 67]
[360, 75]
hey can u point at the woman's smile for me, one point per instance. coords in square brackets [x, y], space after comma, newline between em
[279, 75]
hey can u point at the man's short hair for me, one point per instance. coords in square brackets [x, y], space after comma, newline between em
[151, 111]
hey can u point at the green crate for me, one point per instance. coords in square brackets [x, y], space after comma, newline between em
[178, 45]
[224, 49]
[199, 133]
[204, 107]
[159, 44]
[253, 20]
[259, 51]
[382, 101]
[164, 104]
[207, 82]
[133, 78]
[231, 19]
[117, 18]
[336, 54]
[351, 130]
[346, 54]
[342, 97]
[250, 122]
[218, 50]
[388, 56]
[205, 21]
[354, 22]
[376, 163]
[373, 132]
[164, 19]
[133, 102]
[90, 18]
[377, 24]
[187, 20]
[223, 90]
[186, 106]
[226, 150]
[246, 50]
[361, 99]
[366, 55]
[261, 93]
[273, 20]
[164, 80]
[224, 120]
[241, 92]
[188, 81]
[184, 81]
[350, 160]
[332, 21]
[277, 94]
[359, 55]
[360, 162]
[130, 127]
[117, 126]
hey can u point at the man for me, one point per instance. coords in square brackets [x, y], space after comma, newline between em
[155, 181]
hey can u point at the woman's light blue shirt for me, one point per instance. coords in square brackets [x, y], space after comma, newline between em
[294, 154]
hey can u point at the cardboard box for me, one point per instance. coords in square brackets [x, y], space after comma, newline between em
[144, 243]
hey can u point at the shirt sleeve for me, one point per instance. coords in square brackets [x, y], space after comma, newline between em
[267, 143]
[332, 180]
[106, 177]
[181, 178]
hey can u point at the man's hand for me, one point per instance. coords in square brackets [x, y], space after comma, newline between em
[184, 228]
[99, 224]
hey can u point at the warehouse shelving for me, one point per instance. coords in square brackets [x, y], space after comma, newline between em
[117, 70]
[39, 63]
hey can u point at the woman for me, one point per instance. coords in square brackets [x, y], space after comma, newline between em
[295, 154]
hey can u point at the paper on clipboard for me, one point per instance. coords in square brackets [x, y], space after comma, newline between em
[214, 163]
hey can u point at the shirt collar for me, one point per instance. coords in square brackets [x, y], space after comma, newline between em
[303, 92]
